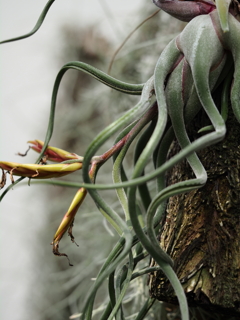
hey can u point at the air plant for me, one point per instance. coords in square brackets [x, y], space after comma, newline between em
[188, 71]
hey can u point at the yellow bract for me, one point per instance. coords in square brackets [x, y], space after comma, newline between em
[69, 216]
[40, 171]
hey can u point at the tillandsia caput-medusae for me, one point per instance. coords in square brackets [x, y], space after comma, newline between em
[188, 71]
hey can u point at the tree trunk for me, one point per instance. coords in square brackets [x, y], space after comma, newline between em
[201, 229]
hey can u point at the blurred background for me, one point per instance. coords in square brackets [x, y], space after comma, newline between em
[35, 283]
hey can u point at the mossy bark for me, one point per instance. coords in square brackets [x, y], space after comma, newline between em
[201, 229]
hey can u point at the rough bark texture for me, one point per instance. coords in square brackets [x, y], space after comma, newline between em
[201, 229]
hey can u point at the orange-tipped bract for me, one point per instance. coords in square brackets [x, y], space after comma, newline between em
[52, 153]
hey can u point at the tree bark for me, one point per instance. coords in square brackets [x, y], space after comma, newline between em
[201, 229]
